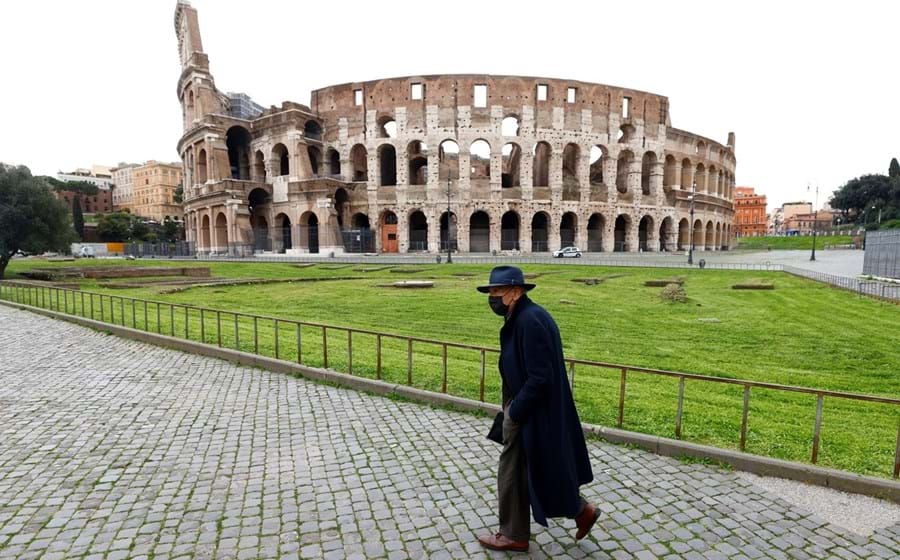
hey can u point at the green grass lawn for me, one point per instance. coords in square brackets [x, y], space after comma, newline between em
[792, 242]
[802, 333]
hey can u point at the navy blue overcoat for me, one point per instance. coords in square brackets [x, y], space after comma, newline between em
[534, 378]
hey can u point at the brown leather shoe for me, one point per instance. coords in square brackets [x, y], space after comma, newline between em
[502, 543]
[586, 520]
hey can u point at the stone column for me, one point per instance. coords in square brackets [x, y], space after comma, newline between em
[434, 230]
[555, 176]
[553, 238]
[676, 181]
[610, 168]
[631, 235]
[526, 175]
[656, 183]
[496, 169]
[608, 239]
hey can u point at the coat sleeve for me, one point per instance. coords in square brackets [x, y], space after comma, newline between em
[538, 369]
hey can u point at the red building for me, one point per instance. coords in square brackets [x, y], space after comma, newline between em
[100, 202]
[749, 213]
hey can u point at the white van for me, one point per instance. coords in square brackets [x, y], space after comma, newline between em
[87, 252]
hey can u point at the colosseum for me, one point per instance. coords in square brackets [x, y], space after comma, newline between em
[486, 164]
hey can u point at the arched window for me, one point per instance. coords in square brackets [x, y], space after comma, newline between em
[387, 158]
[480, 159]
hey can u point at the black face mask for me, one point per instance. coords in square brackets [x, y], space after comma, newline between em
[497, 305]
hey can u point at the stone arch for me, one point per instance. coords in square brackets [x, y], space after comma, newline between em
[669, 178]
[417, 162]
[387, 159]
[511, 155]
[684, 234]
[312, 130]
[540, 232]
[387, 224]
[718, 236]
[282, 158]
[387, 127]
[700, 177]
[448, 157]
[623, 167]
[646, 233]
[687, 174]
[204, 233]
[202, 176]
[570, 162]
[342, 206]
[480, 232]
[309, 231]
[712, 180]
[626, 134]
[710, 236]
[599, 154]
[509, 126]
[697, 234]
[237, 140]
[622, 229]
[667, 240]
[595, 226]
[509, 231]
[449, 231]
[541, 165]
[568, 230]
[480, 159]
[359, 163]
[418, 231]
[333, 158]
[315, 159]
[648, 162]
[283, 235]
[221, 229]
[259, 167]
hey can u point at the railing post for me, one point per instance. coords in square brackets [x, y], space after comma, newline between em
[481, 390]
[255, 335]
[678, 412]
[444, 360]
[171, 320]
[378, 356]
[299, 345]
[202, 327]
[897, 454]
[350, 351]
[65, 300]
[102, 308]
[409, 361]
[572, 377]
[817, 429]
[219, 328]
[744, 417]
[237, 334]
[325, 346]
[82, 304]
[622, 397]
[158, 320]
[146, 320]
[133, 314]
[187, 333]
[276, 338]
[92, 304]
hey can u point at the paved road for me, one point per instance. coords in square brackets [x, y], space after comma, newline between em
[117, 449]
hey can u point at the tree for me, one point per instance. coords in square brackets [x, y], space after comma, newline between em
[858, 194]
[894, 169]
[83, 187]
[78, 217]
[31, 218]
[115, 226]
[178, 197]
[139, 230]
[171, 231]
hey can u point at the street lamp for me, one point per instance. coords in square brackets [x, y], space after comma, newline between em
[812, 256]
[691, 225]
[449, 252]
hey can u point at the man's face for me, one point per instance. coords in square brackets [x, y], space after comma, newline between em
[509, 294]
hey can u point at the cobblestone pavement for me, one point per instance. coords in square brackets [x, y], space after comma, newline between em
[116, 449]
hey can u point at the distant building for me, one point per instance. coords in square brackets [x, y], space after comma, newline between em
[749, 212]
[99, 175]
[802, 224]
[791, 209]
[154, 191]
[242, 107]
[90, 204]
[123, 190]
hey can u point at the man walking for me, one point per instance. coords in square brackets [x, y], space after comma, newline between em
[544, 459]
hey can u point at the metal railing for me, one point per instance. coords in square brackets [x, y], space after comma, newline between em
[144, 314]
[870, 288]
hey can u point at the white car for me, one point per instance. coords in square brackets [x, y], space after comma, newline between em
[567, 252]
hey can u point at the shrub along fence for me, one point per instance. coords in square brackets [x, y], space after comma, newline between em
[650, 399]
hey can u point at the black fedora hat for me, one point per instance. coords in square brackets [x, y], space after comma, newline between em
[506, 276]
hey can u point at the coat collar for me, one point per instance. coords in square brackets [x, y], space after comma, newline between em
[521, 304]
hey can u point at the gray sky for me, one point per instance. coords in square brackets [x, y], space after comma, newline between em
[810, 89]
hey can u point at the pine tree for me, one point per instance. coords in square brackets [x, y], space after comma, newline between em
[894, 169]
[78, 217]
